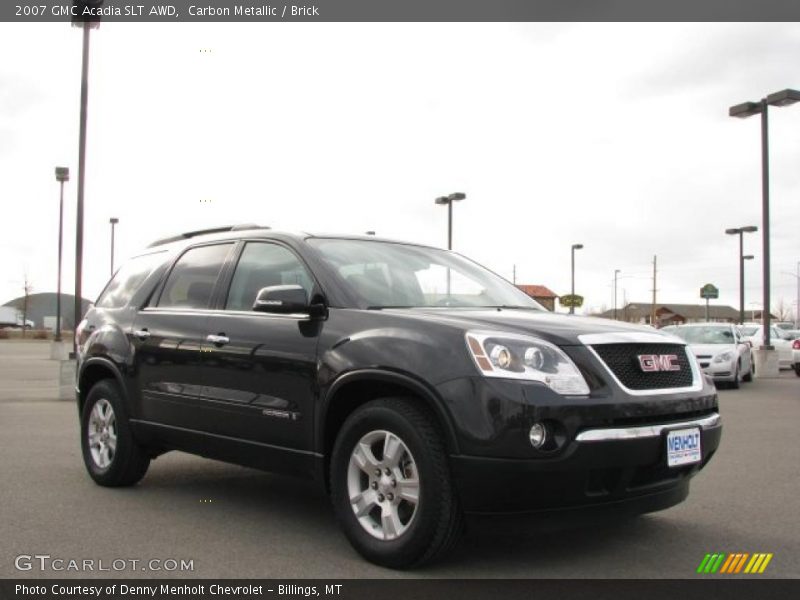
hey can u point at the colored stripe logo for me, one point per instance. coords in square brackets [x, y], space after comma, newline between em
[737, 562]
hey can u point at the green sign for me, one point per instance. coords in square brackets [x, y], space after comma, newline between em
[708, 291]
[571, 301]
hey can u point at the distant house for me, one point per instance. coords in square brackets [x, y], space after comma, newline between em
[673, 314]
[541, 294]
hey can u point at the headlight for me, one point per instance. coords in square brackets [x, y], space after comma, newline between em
[511, 356]
[724, 357]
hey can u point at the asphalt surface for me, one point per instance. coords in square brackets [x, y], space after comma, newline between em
[236, 522]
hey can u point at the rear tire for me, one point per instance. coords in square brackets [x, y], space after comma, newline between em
[112, 456]
[400, 523]
[797, 369]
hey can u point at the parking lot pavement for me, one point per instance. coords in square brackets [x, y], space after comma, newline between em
[235, 522]
[26, 371]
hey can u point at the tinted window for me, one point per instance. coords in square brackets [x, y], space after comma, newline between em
[127, 280]
[262, 265]
[388, 274]
[193, 277]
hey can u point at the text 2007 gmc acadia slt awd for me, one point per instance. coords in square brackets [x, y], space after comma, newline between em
[410, 382]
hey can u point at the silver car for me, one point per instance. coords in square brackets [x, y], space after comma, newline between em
[721, 351]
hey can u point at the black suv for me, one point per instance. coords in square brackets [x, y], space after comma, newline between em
[411, 383]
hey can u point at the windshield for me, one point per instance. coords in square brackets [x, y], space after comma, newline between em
[705, 335]
[390, 275]
[748, 331]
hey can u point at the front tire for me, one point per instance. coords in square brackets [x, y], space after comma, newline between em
[112, 456]
[391, 485]
[749, 376]
[736, 378]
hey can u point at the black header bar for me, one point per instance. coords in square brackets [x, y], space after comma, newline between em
[143, 11]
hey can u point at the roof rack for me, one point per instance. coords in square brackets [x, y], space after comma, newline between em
[191, 234]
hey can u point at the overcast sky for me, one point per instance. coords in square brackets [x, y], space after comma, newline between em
[613, 136]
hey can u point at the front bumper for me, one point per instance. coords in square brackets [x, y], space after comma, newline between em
[724, 371]
[623, 469]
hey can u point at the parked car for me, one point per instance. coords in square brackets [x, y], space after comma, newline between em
[754, 333]
[411, 383]
[720, 349]
[796, 355]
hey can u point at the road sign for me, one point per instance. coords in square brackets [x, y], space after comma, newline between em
[709, 291]
[571, 300]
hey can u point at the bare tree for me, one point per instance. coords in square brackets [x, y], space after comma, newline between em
[27, 288]
[783, 311]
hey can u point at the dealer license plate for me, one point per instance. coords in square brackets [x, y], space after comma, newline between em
[683, 447]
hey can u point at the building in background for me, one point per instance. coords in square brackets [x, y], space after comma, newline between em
[672, 314]
[44, 305]
[541, 294]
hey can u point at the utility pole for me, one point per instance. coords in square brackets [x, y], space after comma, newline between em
[653, 309]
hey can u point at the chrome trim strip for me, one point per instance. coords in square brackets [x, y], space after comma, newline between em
[643, 337]
[645, 431]
[212, 312]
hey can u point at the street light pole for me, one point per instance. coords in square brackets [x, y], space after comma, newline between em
[574, 247]
[616, 273]
[78, 309]
[448, 200]
[744, 258]
[748, 109]
[741, 231]
[86, 22]
[62, 176]
[113, 221]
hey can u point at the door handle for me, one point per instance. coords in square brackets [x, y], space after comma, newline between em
[218, 340]
[142, 334]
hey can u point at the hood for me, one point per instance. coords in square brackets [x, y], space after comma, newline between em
[562, 330]
[711, 349]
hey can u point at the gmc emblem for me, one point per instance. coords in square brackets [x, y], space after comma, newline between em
[650, 363]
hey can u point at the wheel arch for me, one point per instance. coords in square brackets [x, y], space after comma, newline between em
[356, 388]
[96, 369]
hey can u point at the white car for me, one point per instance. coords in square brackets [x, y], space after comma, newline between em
[796, 355]
[719, 349]
[780, 340]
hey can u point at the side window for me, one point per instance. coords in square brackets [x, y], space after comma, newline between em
[192, 279]
[262, 265]
[127, 280]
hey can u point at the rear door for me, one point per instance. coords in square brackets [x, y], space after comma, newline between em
[169, 339]
[261, 375]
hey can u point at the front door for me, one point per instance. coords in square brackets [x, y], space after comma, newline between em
[261, 373]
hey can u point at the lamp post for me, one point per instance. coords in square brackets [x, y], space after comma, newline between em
[740, 231]
[448, 200]
[113, 221]
[744, 258]
[748, 109]
[616, 273]
[62, 176]
[87, 23]
[574, 247]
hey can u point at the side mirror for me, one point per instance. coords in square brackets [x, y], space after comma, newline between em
[282, 299]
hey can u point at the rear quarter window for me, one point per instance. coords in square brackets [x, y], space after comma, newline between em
[127, 280]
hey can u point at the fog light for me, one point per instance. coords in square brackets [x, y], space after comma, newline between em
[538, 435]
